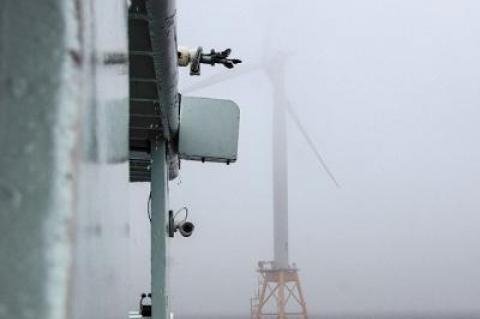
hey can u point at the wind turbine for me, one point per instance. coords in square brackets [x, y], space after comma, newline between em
[279, 282]
[279, 279]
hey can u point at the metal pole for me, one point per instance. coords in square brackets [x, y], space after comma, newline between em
[281, 296]
[300, 294]
[159, 189]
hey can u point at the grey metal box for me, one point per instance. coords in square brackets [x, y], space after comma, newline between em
[208, 129]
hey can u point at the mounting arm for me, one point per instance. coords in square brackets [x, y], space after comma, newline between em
[197, 57]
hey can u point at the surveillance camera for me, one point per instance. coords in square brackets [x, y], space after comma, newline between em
[185, 228]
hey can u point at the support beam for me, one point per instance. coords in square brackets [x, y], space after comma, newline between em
[37, 102]
[281, 296]
[63, 123]
[159, 189]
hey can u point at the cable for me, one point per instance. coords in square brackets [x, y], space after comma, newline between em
[178, 211]
[149, 207]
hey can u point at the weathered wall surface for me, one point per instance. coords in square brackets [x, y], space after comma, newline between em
[63, 145]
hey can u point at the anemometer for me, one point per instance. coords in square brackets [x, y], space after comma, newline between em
[197, 57]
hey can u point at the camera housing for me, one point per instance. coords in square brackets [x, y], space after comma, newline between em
[184, 227]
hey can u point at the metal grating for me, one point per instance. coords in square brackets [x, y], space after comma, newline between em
[144, 103]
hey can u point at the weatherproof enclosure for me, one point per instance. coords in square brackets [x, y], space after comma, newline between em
[208, 129]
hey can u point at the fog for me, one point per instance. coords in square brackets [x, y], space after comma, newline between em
[389, 93]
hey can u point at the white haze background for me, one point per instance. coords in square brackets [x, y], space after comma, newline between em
[389, 92]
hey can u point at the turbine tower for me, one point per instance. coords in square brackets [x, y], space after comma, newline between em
[280, 167]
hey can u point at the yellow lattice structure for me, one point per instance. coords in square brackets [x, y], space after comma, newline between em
[279, 294]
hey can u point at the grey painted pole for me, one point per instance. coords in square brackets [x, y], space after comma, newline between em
[159, 189]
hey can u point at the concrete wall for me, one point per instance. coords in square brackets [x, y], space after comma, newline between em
[64, 223]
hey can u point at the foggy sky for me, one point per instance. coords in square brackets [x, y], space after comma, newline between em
[389, 92]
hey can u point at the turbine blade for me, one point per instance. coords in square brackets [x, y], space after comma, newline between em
[220, 77]
[310, 143]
